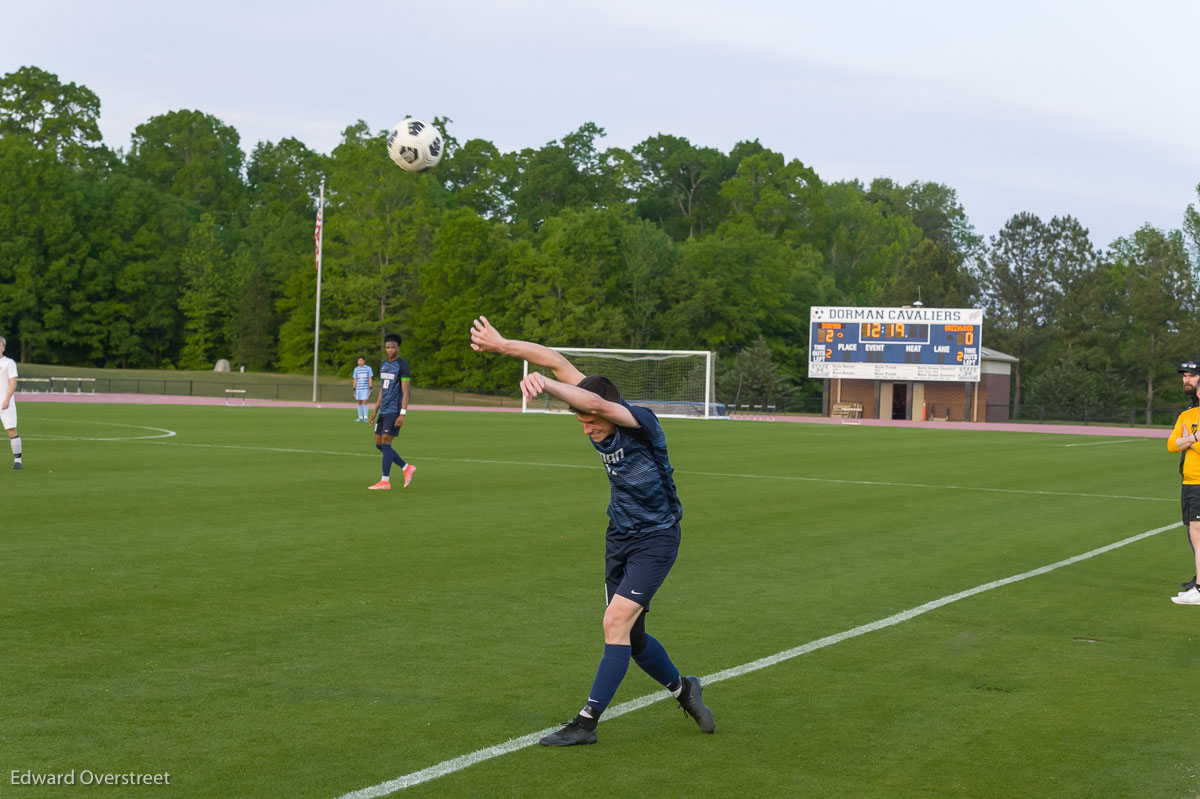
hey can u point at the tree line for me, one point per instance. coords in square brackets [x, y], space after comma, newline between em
[182, 249]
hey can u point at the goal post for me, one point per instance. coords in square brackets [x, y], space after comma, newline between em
[672, 383]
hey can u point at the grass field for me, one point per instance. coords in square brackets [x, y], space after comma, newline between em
[230, 605]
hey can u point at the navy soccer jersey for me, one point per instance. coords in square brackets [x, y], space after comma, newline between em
[391, 375]
[643, 497]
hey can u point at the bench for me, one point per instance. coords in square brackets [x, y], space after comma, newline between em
[847, 410]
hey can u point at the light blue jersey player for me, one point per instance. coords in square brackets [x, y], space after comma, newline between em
[391, 408]
[643, 535]
[362, 378]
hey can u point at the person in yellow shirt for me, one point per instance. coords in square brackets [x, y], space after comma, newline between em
[1183, 440]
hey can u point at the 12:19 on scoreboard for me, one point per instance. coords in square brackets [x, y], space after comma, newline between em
[895, 343]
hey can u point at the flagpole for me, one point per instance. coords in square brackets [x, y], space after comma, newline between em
[320, 236]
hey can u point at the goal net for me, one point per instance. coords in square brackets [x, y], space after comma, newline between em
[676, 383]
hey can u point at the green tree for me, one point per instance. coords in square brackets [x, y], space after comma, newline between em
[1160, 296]
[1013, 281]
[276, 249]
[1191, 226]
[680, 185]
[863, 242]
[60, 118]
[933, 274]
[42, 250]
[730, 288]
[193, 156]
[464, 275]
[754, 378]
[475, 174]
[206, 300]
[934, 208]
[567, 291]
[379, 232]
[1073, 384]
[1074, 280]
[781, 199]
[568, 174]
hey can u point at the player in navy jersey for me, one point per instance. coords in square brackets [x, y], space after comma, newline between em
[643, 530]
[362, 378]
[391, 408]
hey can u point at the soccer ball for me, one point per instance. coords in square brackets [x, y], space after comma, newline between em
[415, 145]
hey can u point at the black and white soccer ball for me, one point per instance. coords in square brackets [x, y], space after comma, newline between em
[415, 145]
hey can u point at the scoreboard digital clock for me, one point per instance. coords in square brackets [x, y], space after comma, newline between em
[895, 343]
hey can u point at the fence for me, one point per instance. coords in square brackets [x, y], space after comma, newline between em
[293, 392]
[57, 385]
[1123, 417]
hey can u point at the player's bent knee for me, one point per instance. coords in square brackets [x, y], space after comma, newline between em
[619, 621]
[637, 636]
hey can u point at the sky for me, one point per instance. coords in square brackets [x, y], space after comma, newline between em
[1053, 107]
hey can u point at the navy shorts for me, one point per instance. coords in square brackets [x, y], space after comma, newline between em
[1189, 498]
[636, 566]
[385, 424]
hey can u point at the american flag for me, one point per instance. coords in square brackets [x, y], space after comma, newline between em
[317, 237]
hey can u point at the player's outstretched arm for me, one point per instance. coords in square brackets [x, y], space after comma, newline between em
[578, 398]
[486, 338]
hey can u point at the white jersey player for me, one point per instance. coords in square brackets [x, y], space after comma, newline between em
[8, 407]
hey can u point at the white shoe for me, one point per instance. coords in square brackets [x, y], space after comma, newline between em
[1188, 597]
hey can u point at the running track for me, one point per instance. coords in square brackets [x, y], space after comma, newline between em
[162, 399]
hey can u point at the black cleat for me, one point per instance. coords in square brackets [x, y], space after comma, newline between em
[572, 734]
[17, 466]
[691, 702]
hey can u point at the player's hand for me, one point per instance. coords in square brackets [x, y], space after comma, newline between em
[484, 337]
[4, 407]
[532, 385]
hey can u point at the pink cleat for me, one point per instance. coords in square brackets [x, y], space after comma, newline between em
[408, 473]
[382, 485]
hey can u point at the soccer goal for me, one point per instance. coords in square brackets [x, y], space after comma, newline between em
[675, 383]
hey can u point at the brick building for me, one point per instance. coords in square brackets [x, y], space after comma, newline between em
[985, 401]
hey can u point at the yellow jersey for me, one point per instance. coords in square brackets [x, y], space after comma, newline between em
[1187, 424]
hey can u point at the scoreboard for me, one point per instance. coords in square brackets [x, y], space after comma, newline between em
[895, 343]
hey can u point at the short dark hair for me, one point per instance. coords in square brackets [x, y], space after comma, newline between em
[598, 384]
[392, 337]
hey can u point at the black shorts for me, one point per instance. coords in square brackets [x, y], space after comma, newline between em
[636, 566]
[385, 424]
[1189, 498]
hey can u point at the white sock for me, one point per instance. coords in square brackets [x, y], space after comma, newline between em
[386, 479]
[15, 443]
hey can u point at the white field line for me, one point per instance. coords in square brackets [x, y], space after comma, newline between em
[447, 767]
[159, 433]
[1102, 443]
[794, 478]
